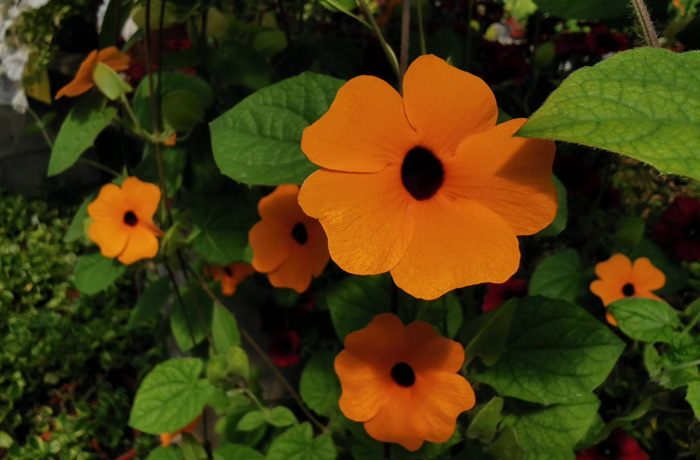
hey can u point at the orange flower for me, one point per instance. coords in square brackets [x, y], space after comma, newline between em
[427, 186]
[620, 279]
[402, 382]
[230, 275]
[122, 223]
[167, 438]
[83, 80]
[287, 244]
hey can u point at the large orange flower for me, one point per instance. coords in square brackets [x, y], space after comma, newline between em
[427, 187]
[287, 244]
[83, 80]
[230, 275]
[619, 278]
[122, 223]
[167, 438]
[402, 382]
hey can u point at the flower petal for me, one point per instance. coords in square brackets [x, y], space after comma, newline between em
[383, 343]
[445, 105]
[646, 276]
[109, 204]
[367, 217]
[316, 245]
[294, 272]
[617, 270]
[398, 421]
[610, 318]
[271, 246]
[364, 387]
[142, 198]
[429, 351]
[608, 291]
[142, 244]
[281, 207]
[110, 236]
[113, 58]
[364, 130]
[510, 176]
[83, 78]
[456, 243]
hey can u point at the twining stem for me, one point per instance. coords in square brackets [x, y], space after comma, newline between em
[248, 338]
[691, 324]
[405, 39]
[650, 37]
[340, 8]
[41, 127]
[390, 55]
[99, 166]
[181, 302]
[419, 8]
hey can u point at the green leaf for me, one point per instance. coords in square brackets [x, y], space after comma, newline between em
[270, 42]
[559, 222]
[280, 417]
[192, 449]
[600, 431]
[76, 229]
[640, 103]
[165, 453]
[237, 362]
[251, 421]
[319, 386]
[693, 397]
[631, 231]
[555, 428]
[588, 9]
[506, 447]
[647, 320]
[170, 397]
[484, 424]
[486, 336]
[347, 5]
[298, 443]
[555, 351]
[354, 301]
[150, 303]
[79, 131]
[237, 452]
[94, 273]
[174, 161]
[445, 313]
[258, 142]
[180, 318]
[558, 276]
[224, 329]
[182, 109]
[109, 82]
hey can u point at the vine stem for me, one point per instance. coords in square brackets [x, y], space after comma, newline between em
[181, 302]
[644, 19]
[248, 338]
[390, 55]
[405, 39]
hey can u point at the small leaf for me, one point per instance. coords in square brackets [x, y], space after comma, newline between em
[319, 386]
[258, 142]
[484, 424]
[559, 222]
[280, 417]
[150, 303]
[640, 103]
[251, 421]
[693, 397]
[237, 362]
[558, 276]
[76, 229]
[631, 231]
[298, 443]
[355, 301]
[182, 320]
[182, 109]
[109, 82]
[647, 320]
[79, 131]
[237, 452]
[94, 273]
[170, 397]
[588, 9]
[224, 329]
[486, 335]
[270, 42]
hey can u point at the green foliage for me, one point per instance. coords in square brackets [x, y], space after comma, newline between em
[156, 295]
[224, 329]
[298, 443]
[95, 273]
[647, 320]
[590, 9]
[319, 386]
[485, 421]
[558, 276]
[487, 335]
[559, 222]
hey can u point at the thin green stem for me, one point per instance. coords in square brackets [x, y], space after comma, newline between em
[691, 324]
[421, 31]
[340, 8]
[41, 127]
[683, 366]
[390, 55]
[99, 166]
[648, 30]
[405, 40]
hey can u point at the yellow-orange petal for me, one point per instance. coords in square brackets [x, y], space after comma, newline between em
[142, 198]
[398, 421]
[110, 236]
[113, 58]
[510, 176]
[294, 272]
[364, 387]
[428, 351]
[617, 270]
[316, 245]
[608, 291]
[228, 286]
[382, 343]
[271, 246]
[166, 439]
[611, 319]
[646, 276]
[142, 244]
[83, 79]
[456, 243]
[109, 204]
[281, 207]
[445, 104]
[368, 218]
[364, 130]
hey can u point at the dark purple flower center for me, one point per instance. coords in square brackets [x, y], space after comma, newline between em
[299, 233]
[422, 173]
[628, 290]
[130, 219]
[403, 374]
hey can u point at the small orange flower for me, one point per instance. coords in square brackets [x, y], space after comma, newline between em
[426, 186]
[287, 244]
[401, 382]
[619, 279]
[230, 275]
[122, 223]
[167, 438]
[83, 80]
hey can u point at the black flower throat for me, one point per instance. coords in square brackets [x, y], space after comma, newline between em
[422, 173]
[130, 219]
[403, 374]
[299, 233]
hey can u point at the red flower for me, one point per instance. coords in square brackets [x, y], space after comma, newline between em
[179, 44]
[496, 293]
[284, 344]
[680, 228]
[618, 446]
[603, 41]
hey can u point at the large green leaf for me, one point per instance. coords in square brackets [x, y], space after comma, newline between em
[258, 142]
[647, 320]
[486, 336]
[77, 225]
[585, 9]
[79, 131]
[555, 352]
[298, 443]
[641, 103]
[224, 329]
[354, 301]
[94, 273]
[184, 320]
[170, 397]
[558, 276]
[319, 386]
